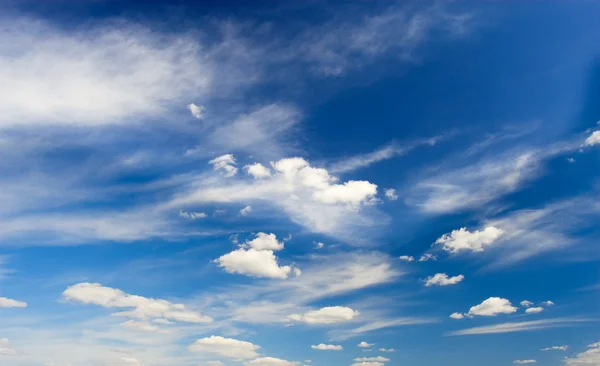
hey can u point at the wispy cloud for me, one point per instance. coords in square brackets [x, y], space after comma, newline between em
[520, 326]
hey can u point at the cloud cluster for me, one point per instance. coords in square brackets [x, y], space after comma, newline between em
[256, 258]
[226, 347]
[464, 240]
[442, 279]
[327, 347]
[226, 163]
[141, 307]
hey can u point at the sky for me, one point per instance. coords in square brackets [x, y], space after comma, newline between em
[299, 183]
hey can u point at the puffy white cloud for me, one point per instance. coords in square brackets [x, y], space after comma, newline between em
[327, 347]
[94, 75]
[227, 347]
[255, 263]
[593, 139]
[310, 196]
[534, 310]
[10, 303]
[271, 361]
[142, 307]
[442, 279]
[427, 257]
[264, 241]
[226, 163]
[257, 170]
[391, 194]
[246, 210]
[196, 110]
[387, 350]
[192, 215]
[526, 303]
[5, 348]
[590, 357]
[523, 362]
[463, 239]
[547, 303]
[368, 364]
[556, 348]
[492, 307]
[364, 344]
[406, 258]
[326, 315]
[456, 316]
[372, 359]
[319, 245]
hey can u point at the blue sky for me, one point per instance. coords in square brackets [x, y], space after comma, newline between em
[299, 183]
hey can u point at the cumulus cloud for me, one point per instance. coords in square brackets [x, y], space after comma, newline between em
[391, 194]
[256, 258]
[326, 315]
[463, 239]
[319, 245]
[523, 362]
[547, 303]
[257, 170]
[141, 307]
[589, 357]
[526, 303]
[442, 279]
[593, 139]
[94, 75]
[492, 307]
[364, 344]
[327, 347]
[427, 257]
[310, 196]
[196, 110]
[192, 215]
[555, 348]
[226, 163]
[271, 361]
[534, 310]
[10, 303]
[226, 347]
[368, 364]
[246, 211]
[456, 316]
[372, 359]
[406, 258]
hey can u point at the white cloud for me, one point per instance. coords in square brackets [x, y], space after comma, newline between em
[463, 239]
[192, 215]
[456, 316]
[257, 170]
[372, 359]
[534, 310]
[518, 326]
[406, 258]
[547, 303]
[213, 363]
[326, 315]
[255, 263]
[556, 348]
[427, 257]
[589, 357]
[264, 241]
[319, 245]
[226, 163]
[442, 279]
[271, 361]
[10, 303]
[387, 350]
[227, 347]
[390, 194]
[364, 344]
[310, 196]
[94, 75]
[368, 364]
[523, 362]
[593, 139]
[140, 326]
[142, 307]
[196, 110]
[327, 347]
[492, 307]
[526, 303]
[246, 211]
[6, 349]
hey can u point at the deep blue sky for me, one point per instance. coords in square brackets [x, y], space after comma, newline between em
[273, 183]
